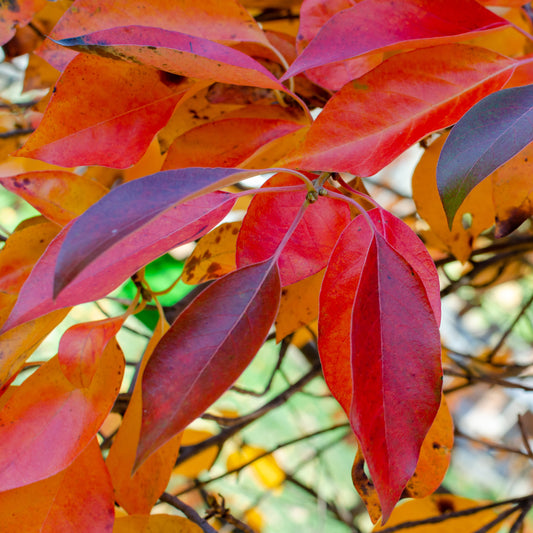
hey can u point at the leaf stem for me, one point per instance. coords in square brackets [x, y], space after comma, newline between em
[188, 511]
[356, 204]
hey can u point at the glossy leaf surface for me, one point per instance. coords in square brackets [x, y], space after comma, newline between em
[492, 132]
[48, 421]
[177, 53]
[387, 25]
[241, 308]
[374, 119]
[114, 122]
[309, 248]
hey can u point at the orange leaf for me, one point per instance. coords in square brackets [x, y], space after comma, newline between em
[160, 523]
[439, 505]
[60, 196]
[512, 192]
[82, 345]
[122, 108]
[47, 422]
[53, 505]
[139, 493]
[214, 255]
[298, 305]
[475, 214]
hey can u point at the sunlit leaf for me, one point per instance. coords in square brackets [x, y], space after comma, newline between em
[372, 120]
[55, 502]
[199, 462]
[60, 196]
[122, 108]
[368, 26]
[16, 12]
[159, 523]
[48, 421]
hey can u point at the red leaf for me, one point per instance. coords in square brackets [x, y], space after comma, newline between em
[488, 135]
[269, 217]
[178, 53]
[80, 348]
[132, 208]
[239, 309]
[339, 290]
[389, 344]
[16, 12]
[47, 421]
[55, 501]
[372, 120]
[382, 25]
[103, 112]
[166, 230]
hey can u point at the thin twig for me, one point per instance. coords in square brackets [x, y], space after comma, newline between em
[188, 511]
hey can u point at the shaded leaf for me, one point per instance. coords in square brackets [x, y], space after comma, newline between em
[160, 523]
[60, 196]
[103, 112]
[177, 53]
[47, 422]
[80, 348]
[372, 120]
[382, 25]
[68, 501]
[128, 210]
[488, 135]
[213, 256]
[268, 219]
[475, 215]
[140, 492]
[241, 307]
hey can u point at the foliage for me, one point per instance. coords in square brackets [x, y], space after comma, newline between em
[147, 121]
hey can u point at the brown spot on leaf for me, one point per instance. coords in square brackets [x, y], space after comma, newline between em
[513, 218]
[444, 505]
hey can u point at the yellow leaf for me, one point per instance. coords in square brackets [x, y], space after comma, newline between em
[213, 256]
[204, 460]
[475, 215]
[139, 493]
[299, 305]
[266, 470]
[439, 505]
[159, 523]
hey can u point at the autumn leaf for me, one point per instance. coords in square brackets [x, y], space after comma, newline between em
[113, 123]
[160, 523]
[48, 421]
[372, 120]
[382, 25]
[55, 501]
[309, 248]
[396, 373]
[17, 12]
[139, 493]
[488, 135]
[177, 53]
[244, 304]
